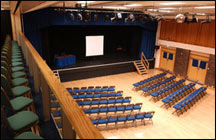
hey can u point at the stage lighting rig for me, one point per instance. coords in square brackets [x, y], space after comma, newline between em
[207, 20]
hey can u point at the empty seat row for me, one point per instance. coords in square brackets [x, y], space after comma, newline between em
[178, 94]
[122, 118]
[113, 108]
[189, 100]
[96, 94]
[142, 83]
[91, 89]
[148, 90]
[163, 92]
[99, 101]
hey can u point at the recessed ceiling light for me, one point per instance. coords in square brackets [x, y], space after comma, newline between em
[112, 7]
[172, 3]
[133, 5]
[167, 8]
[152, 10]
[204, 7]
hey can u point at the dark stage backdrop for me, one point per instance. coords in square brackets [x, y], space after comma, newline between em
[71, 40]
[40, 19]
[5, 25]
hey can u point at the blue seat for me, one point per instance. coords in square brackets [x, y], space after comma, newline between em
[83, 90]
[119, 100]
[70, 90]
[90, 90]
[80, 103]
[75, 96]
[129, 107]
[103, 109]
[94, 110]
[111, 120]
[111, 101]
[137, 107]
[118, 94]
[59, 125]
[111, 89]
[81, 96]
[87, 111]
[86, 102]
[148, 115]
[122, 118]
[131, 118]
[97, 89]
[104, 95]
[136, 84]
[126, 100]
[102, 121]
[94, 121]
[140, 116]
[112, 94]
[104, 89]
[96, 95]
[95, 102]
[103, 101]
[145, 89]
[120, 108]
[89, 96]
[76, 91]
[112, 109]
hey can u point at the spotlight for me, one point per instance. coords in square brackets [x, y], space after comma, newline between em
[87, 16]
[71, 15]
[130, 18]
[79, 16]
[119, 15]
[207, 20]
[96, 17]
[106, 18]
[186, 20]
[160, 18]
[194, 19]
[114, 19]
[180, 18]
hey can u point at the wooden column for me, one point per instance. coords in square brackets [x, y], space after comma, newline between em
[36, 74]
[45, 98]
[67, 131]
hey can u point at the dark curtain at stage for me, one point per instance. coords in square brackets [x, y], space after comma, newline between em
[36, 20]
[5, 25]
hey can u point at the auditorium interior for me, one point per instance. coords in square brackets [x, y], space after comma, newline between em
[107, 69]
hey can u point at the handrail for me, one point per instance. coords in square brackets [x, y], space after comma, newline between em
[77, 119]
[145, 60]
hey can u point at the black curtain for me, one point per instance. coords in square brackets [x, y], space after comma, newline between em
[5, 25]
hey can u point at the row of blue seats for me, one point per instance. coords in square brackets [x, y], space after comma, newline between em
[98, 101]
[167, 88]
[91, 89]
[189, 98]
[177, 93]
[113, 108]
[96, 95]
[146, 89]
[122, 118]
[149, 79]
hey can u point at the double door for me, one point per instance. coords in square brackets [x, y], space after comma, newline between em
[197, 67]
[167, 59]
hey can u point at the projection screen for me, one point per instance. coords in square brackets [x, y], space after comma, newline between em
[94, 45]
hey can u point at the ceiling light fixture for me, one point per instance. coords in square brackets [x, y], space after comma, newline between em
[180, 18]
[71, 16]
[172, 3]
[106, 18]
[194, 19]
[205, 7]
[167, 8]
[132, 5]
[207, 20]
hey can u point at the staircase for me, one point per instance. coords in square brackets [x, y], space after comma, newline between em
[142, 65]
[57, 74]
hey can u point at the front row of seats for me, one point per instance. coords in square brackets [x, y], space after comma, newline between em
[123, 118]
[91, 89]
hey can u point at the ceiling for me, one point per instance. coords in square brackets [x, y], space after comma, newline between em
[164, 8]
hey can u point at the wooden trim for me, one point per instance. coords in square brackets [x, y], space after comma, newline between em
[82, 125]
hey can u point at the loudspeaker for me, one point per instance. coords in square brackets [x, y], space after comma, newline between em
[157, 47]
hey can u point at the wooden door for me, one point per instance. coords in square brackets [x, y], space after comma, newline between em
[197, 67]
[167, 59]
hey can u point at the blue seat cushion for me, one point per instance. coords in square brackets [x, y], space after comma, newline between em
[137, 107]
[95, 110]
[131, 118]
[87, 111]
[96, 95]
[97, 89]
[57, 114]
[111, 89]
[95, 102]
[80, 96]
[129, 108]
[83, 90]
[104, 89]
[118, 94]
[75, 96]
[86, 102]
[90, 90]
[136, 84]
[55, 105]
[76, 90]
[119, 100]
[111, 101]
[111, 95]
[103, 101]
[70, 90]
[104, 95]
[102, 121]
[139, 116]
[89, 95]
[127, 100]
[103, 109]
[111, 109]
[120, 108]
[94, 121]
[122, 119]
[112, 119]
[148, 115]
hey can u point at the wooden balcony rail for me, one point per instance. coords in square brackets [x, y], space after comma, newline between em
[75, 122]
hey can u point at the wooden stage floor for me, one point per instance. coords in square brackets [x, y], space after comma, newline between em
[197, 123]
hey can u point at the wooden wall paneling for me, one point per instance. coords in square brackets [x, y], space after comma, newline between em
[211, 37]
[192, 33]
[163, 30]
[173, 26]
[203, 34]
[181, 32]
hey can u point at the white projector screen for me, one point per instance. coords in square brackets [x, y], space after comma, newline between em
[94, 45]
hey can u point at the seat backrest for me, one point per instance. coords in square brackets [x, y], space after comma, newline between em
[6, 85]
[4, 99]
